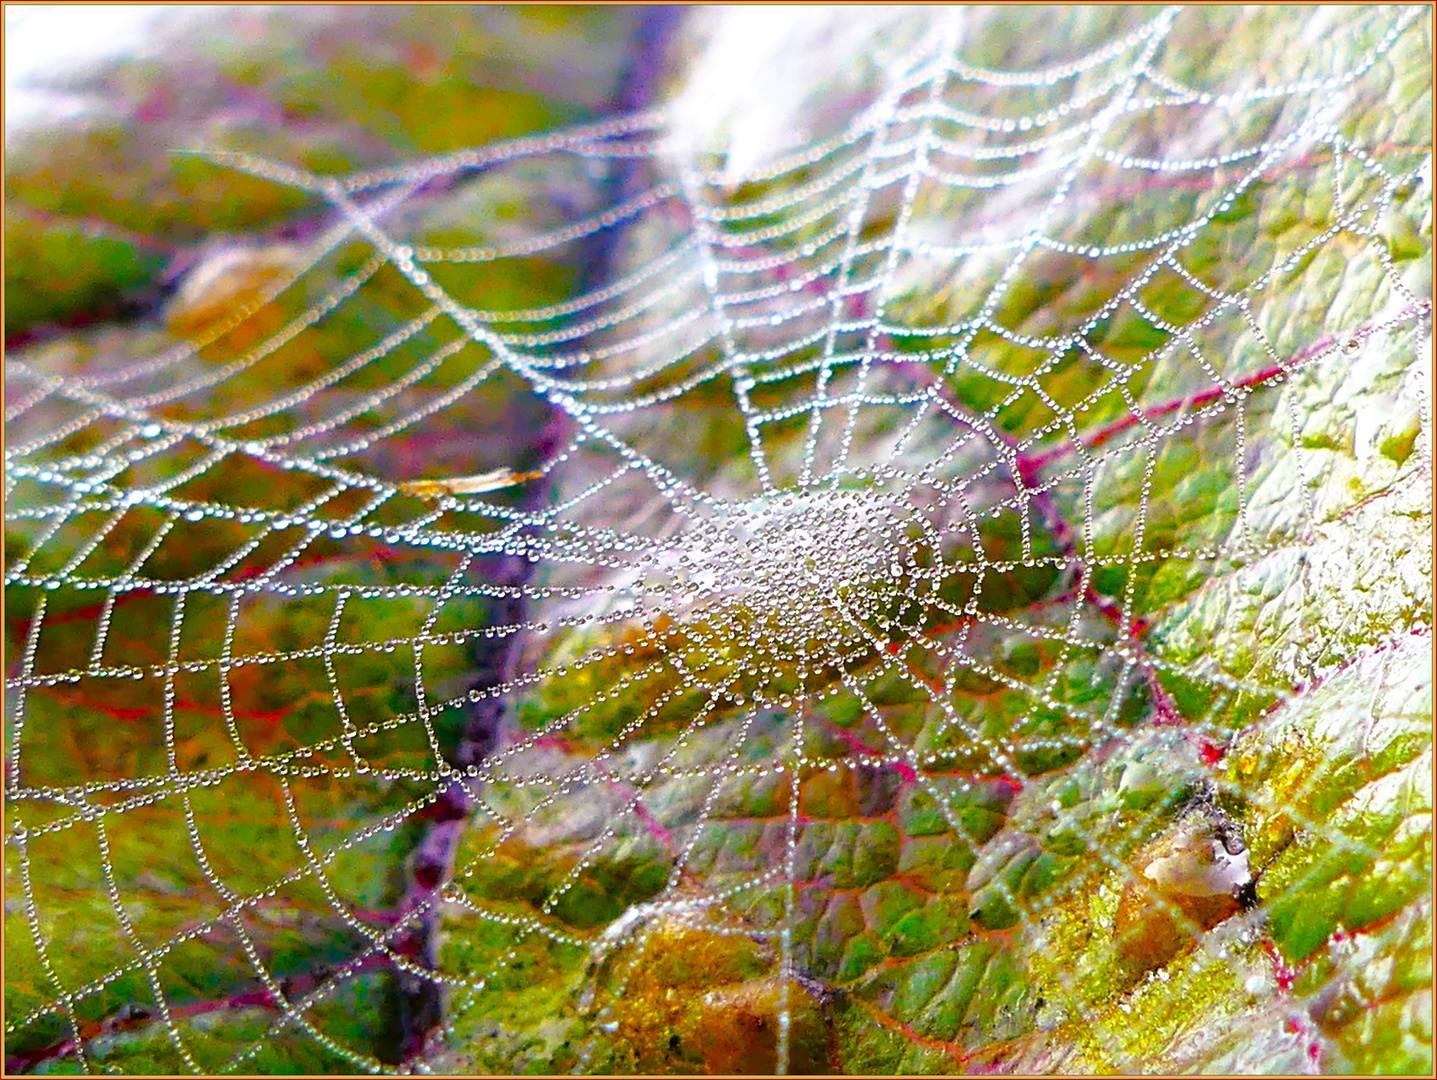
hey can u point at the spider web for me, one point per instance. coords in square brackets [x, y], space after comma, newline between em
[875, 605]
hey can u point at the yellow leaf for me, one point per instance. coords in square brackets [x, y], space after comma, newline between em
[494, 480]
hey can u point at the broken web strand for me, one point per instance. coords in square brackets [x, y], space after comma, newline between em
[1126, 605]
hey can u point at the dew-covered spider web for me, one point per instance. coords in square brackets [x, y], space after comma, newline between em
[947, 592]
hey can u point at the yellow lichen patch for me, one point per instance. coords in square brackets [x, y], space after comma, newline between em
[1100, 1017]
[692, 995]
[1180, 1008]
[737, 1030]
[231, 293]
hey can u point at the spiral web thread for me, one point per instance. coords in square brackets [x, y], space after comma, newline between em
[761, 595]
